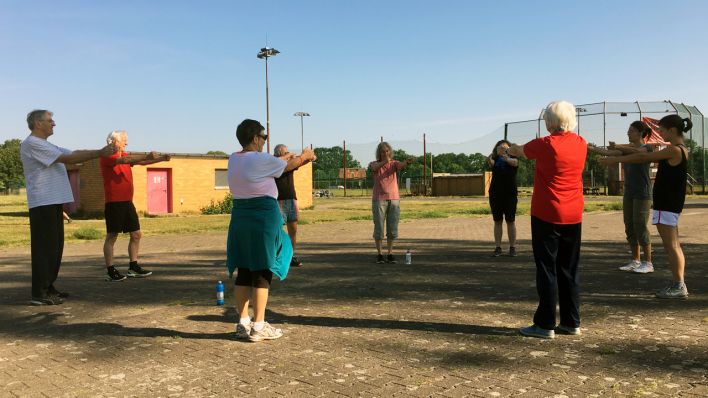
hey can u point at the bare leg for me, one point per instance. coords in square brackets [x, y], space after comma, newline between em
[498, 233]
[389, 244]
[242, 294]
[292, 233]
[511, 232]
[677, 262]
[134, 245]
[378, 245]
[647, 252]
[108, 248]
[635, 251]
[260, 300]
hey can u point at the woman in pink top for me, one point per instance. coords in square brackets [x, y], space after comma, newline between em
[385, 200]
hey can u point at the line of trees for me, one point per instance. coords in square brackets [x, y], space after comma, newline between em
[11, 176]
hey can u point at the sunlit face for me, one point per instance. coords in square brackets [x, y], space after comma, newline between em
[45, 125]
[121, 142]
[501, 148]
[385, 153]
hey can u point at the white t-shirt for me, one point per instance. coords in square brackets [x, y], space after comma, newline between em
[47, 181]
[252, 174]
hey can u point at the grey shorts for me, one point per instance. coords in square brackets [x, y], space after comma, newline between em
[636, 217]
[388, 211]
[289, 210]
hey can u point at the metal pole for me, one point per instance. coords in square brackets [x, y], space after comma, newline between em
[345, 167]
[604, 123]
[506, 131]
[425, 163]
[302, 134]
[267, 107]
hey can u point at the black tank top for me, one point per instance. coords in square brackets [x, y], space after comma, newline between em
[670, 185]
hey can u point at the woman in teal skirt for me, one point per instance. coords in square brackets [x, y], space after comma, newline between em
[257, 247]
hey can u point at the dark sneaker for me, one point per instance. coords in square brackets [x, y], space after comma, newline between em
[50, 299]
[112, 275]
[512, 251]
[560, 329]
[539, 332]
[380, 259]
[390, 259]
[54, 292]
[497, 252]
[295, 262]
[267, 333]
[243, 332]
[134, 271]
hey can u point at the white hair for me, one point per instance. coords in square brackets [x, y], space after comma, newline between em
[560, 115]
[114, 135]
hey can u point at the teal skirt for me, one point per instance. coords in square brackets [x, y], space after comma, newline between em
[256, 237]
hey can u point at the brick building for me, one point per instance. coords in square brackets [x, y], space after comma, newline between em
[185, 184]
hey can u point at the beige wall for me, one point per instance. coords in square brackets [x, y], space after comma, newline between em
[193, 180]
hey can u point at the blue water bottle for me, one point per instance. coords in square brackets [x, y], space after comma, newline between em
[219, 293]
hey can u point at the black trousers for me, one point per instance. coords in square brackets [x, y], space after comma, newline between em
[47, 240]
[556, 250]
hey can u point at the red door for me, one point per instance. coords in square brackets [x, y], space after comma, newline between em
[158, 191]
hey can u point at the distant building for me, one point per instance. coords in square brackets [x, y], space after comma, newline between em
[184, 185]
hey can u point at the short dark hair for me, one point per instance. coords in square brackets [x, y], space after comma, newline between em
[676, 122]
[642, 127]
[35, 116]
[247, 130]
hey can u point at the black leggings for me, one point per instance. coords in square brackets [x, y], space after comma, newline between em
[257, 279]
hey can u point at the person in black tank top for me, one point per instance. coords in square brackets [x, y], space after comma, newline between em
[669, 195]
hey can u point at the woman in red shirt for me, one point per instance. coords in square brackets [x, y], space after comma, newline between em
[556, 220]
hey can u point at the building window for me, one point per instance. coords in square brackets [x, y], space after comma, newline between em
[221, 179]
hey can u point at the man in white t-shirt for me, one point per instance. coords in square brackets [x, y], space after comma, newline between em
[48, 189]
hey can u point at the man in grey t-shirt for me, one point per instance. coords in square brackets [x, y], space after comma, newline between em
[48, 189]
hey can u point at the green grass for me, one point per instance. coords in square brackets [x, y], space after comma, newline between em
[14, 220]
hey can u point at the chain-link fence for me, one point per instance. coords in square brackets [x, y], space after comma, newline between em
[602, 122]
[407, 185]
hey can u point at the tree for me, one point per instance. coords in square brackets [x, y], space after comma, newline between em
[11, 165]
[217, 153]
[329, 161]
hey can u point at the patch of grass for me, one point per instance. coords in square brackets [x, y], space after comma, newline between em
[87, 234]
[368, 217]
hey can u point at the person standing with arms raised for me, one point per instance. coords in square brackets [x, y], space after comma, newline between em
[669, 196]
[385, 201]
[556, 220]
[48, 189]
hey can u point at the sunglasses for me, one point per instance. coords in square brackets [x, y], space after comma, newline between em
[265, 137]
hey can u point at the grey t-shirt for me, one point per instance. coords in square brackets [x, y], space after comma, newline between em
[637, 183]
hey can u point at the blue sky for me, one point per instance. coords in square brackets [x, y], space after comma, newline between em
[180, 75]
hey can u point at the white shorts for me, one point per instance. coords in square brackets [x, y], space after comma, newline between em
[664, 218]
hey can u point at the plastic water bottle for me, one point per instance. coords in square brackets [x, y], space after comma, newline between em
[219, 293]
[409, 258]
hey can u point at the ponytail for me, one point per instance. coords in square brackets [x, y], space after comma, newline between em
[642, 128]
[676, 122]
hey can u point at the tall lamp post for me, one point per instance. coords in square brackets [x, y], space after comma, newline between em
[265, 53]
[302, 133]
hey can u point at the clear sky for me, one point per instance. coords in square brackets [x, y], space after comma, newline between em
[180, 75]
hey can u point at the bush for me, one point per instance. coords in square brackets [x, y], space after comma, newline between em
[87, 234]
[222, 207]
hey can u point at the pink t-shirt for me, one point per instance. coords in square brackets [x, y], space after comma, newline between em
[386, 181]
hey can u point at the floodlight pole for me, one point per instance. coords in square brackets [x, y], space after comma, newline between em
[344, 165]
[425, 163]
[265, 53]
[302, 133]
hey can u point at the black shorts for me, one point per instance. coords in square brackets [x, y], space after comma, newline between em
[121, 217]
[503, 207]
[257, 279]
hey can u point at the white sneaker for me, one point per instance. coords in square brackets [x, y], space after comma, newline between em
[267, 333]
[645, 268]
[631, 266]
